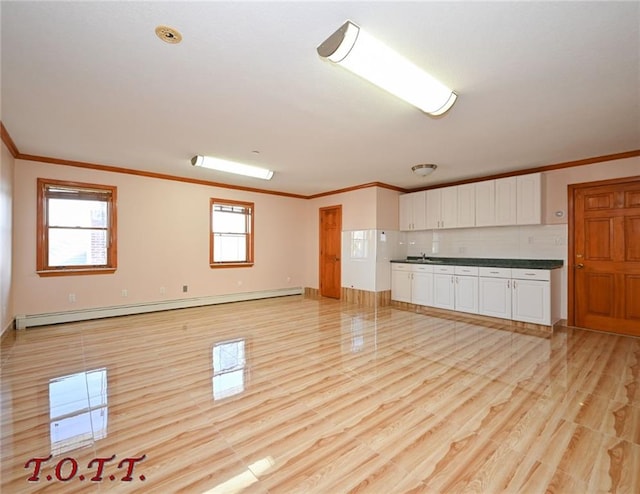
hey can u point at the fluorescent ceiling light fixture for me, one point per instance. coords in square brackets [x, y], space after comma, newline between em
[231, 167]
[424, 169]
[361, 53]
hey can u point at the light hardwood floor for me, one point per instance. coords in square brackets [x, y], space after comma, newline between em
[298, 395]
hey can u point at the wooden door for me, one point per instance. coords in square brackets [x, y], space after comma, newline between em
[604, 255]
[330, 247]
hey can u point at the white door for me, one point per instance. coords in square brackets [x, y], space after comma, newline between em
[486, 203]
[401, 286]
[466, 205]
[506, 202]
[449, 207]
[466, 294]
[494, 297]
[443, 291]
[422, 288]
[434, 208]
[419, 210]
[529, 196]
[531, 301]
[405, 206]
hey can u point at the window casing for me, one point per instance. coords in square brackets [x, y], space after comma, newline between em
[76, 228]
[231, 239]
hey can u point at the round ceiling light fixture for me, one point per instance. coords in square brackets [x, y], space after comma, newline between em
[424, 169]
[168, 35]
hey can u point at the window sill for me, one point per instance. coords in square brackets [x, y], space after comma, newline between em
[230, 265]
[75, 271]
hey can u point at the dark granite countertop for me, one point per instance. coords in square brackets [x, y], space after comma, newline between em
[486, 262]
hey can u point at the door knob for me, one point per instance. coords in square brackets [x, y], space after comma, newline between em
[579, 266]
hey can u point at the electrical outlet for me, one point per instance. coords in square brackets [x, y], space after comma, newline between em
[72, 297]
[163, 290]
[185, 288]
[125, 292]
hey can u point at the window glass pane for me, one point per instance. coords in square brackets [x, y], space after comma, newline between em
[229, 248]
[77, 247]
[229, 222]
[75, 212]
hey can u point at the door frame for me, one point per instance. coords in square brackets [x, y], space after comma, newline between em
[571, 252]
[320, 238]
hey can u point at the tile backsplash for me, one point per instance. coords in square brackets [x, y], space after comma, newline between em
[522, 242]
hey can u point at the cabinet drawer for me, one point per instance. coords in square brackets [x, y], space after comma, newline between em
[396, 266]
[466, 270]
[531, 274]
[422, 268]
[444, 269]
[495, 272]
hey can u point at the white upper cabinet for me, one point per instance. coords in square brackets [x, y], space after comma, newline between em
[486, 203]
[496, 202]
[466, 205]
[499, 202]
[442, 208]
[412, 211]
[505, 200]
[434, 208]
[529, 199]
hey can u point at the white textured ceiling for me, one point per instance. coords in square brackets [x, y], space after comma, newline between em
[538, 83]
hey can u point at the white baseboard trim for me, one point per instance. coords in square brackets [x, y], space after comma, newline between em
[30, 320]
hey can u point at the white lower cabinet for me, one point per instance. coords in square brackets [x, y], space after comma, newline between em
[422, 285]
[495, 292]
[444, 287]
[466, 289]
[401, 282]
[527, 295]
[531, 301]
[532, 296]
[412, 283]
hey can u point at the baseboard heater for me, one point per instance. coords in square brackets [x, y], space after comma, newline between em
[27, 321]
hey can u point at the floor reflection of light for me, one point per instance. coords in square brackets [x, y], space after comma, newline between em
[240, 482]
[77, 410]
[229, 363]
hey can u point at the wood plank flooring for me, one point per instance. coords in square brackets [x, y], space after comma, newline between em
[297, 395]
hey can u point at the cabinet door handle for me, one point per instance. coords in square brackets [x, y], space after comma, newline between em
[508, 283]
[514, 284]
[452, 279]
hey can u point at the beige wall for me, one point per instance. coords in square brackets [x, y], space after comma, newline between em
[163, 241]
[163, 236]
[555, 183]
[387, 209]
[362, 209]
[7, 167]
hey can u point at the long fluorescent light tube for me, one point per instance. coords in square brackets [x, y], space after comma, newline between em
[231, 167]
[361, 53]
